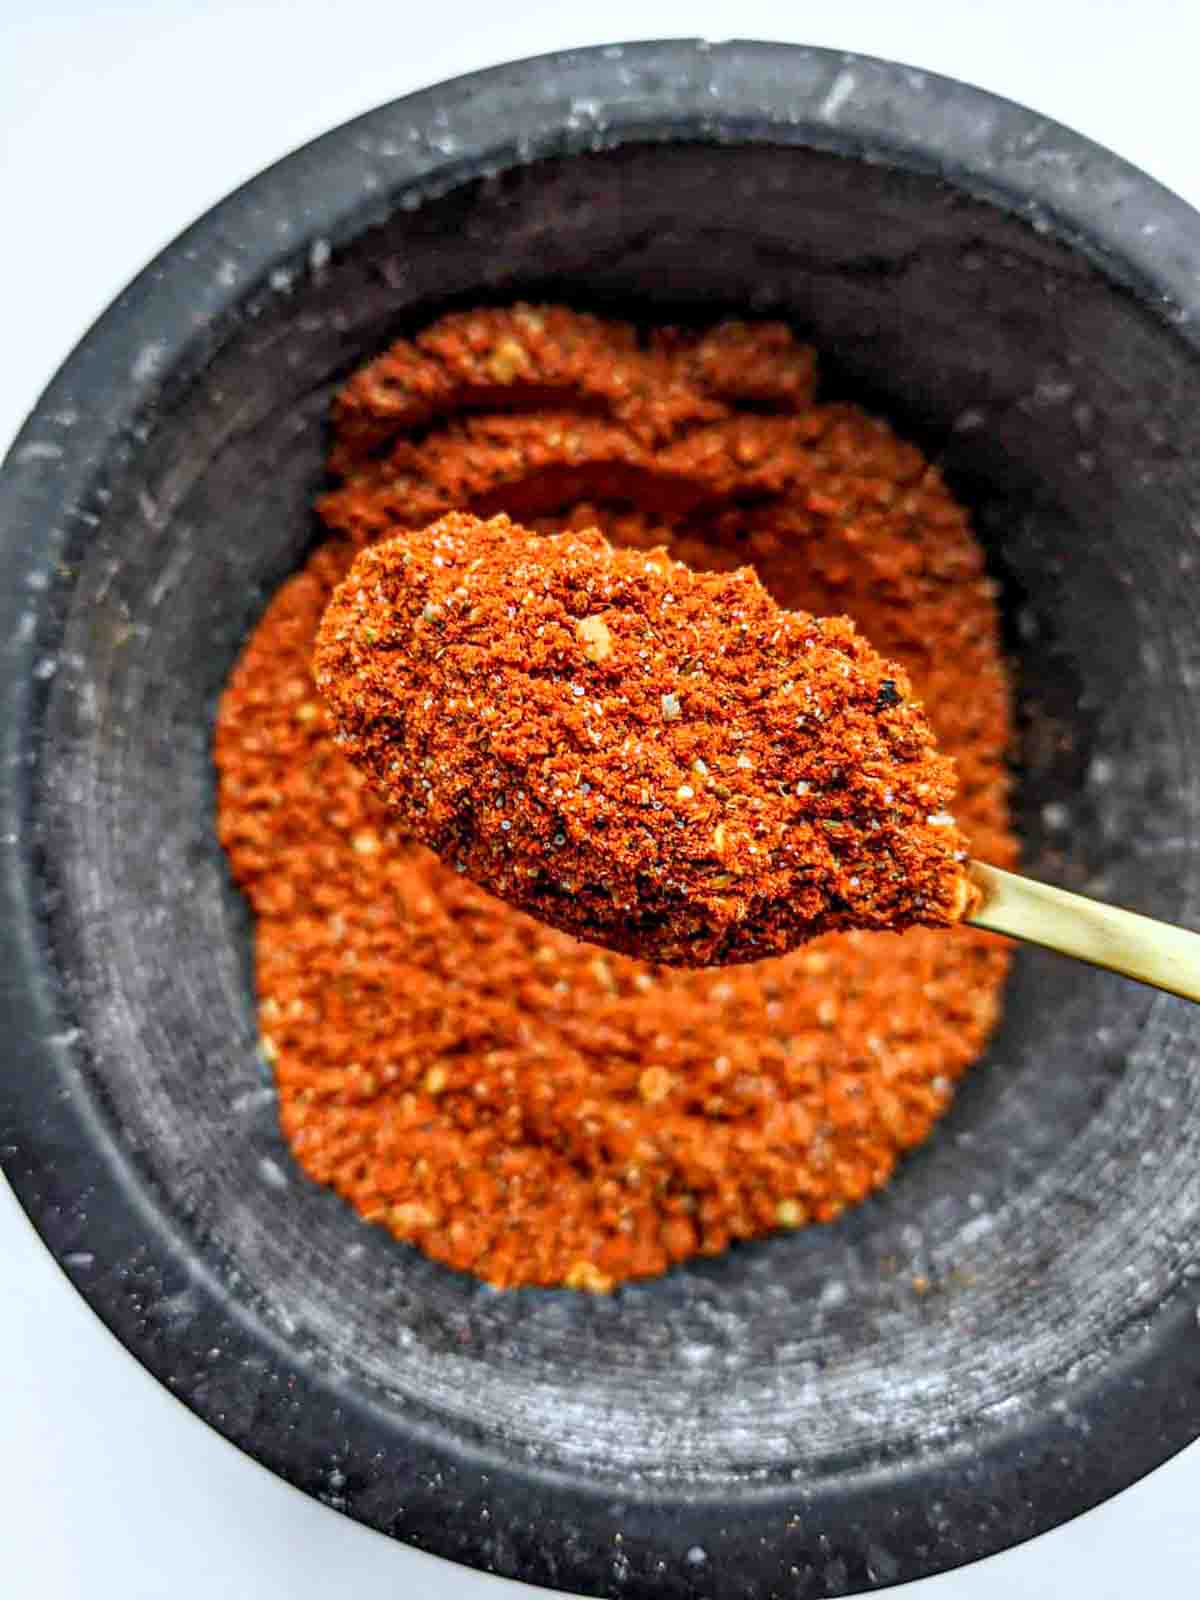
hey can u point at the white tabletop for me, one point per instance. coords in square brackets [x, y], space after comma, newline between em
[121, 121]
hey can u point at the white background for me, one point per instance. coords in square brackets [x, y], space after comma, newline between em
[119, 124]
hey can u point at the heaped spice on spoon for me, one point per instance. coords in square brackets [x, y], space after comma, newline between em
[661, 761]
[517, 1103]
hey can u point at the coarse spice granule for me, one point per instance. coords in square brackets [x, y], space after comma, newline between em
[661, 761]
[519, 1104]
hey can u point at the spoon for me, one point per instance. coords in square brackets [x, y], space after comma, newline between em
[547, 745]
[1153, 952]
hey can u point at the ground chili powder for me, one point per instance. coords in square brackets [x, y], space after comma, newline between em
[519, 1104]
[651, 758]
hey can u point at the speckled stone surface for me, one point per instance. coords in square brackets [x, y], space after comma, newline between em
[795, 1410]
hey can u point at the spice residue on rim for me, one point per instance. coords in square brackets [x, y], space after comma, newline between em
[661, 761]
[517, 1103]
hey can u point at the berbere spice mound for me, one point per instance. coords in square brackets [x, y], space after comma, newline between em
[658, 760]
[514, 1102]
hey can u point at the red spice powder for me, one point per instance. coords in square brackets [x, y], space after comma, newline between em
[517, 1103]
[661, 761]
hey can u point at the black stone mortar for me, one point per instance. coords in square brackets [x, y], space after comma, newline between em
[794, 1418]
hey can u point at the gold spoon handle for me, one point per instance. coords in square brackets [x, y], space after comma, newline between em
[1122, 941]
